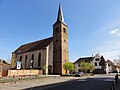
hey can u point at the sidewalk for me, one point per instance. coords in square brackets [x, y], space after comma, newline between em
[32, 83]
[20, 85]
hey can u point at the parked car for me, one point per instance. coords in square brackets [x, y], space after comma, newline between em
[79, 74]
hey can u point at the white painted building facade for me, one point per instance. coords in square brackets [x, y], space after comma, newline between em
[98, 61]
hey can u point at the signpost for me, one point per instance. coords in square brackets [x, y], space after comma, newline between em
[31, 62]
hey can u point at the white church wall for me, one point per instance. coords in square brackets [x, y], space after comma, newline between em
[29, 55]
[46, 60]
[50, 59]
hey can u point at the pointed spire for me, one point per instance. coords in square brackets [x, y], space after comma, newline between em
[60, 18]
[60, 14]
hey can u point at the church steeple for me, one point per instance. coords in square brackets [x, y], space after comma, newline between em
[60, 15]
[60, 44]
[60, 18]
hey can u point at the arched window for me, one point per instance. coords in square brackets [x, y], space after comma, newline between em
[32, 60]
[20, 58]
[64, 40]
[64, 29]
[26, 61]
[21, 61]
[39, 60]
[57, 29]
[57, 40]
[65, 60]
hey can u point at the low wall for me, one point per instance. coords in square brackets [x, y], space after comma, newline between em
[24, 72]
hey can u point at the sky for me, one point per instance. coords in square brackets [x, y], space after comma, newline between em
[93, 25]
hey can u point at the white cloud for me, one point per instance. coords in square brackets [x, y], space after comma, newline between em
[109, 45]
[114, 31]
[110, 48]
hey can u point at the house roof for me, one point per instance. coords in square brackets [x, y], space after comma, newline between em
[89, 59]
[86, 59]
[33, 46]
[110, 62]
[3, 61]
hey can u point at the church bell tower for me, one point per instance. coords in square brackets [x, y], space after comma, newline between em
[60, 44]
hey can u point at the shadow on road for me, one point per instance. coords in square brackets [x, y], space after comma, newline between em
[77, 84]
[47, 86]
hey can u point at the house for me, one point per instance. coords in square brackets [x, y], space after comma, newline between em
[4, 67]
[49, 53]
[111, 67]
[98, 61]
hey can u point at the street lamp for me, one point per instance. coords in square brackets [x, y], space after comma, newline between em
[31, 62]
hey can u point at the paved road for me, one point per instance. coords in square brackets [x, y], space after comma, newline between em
[79, 84]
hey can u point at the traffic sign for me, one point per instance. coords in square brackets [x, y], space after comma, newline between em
[18, 65]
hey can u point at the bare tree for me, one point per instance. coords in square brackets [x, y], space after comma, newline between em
[117, 61]
[13, 61]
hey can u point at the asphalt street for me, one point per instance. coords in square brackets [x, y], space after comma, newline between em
[79, 84]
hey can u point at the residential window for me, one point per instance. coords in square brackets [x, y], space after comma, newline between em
[95, 64]
[79, 70]
[97, 59]
[76, 65]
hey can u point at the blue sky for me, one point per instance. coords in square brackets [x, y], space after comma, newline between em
[94, 25]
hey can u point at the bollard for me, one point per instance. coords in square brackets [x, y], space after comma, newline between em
[113, 85]
[116, 79]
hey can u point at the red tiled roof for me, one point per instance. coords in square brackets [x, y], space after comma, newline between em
[86, 59]
[33, 46]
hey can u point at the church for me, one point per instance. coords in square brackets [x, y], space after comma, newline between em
[49, 53]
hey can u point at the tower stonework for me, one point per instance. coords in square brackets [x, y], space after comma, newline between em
[60, 44]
